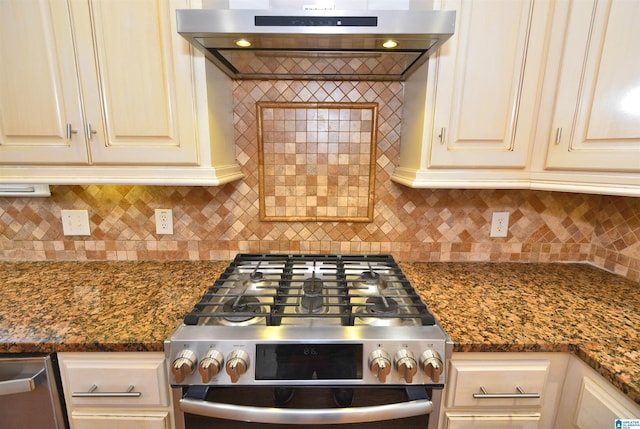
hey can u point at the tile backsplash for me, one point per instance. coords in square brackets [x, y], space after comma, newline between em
[412, 224]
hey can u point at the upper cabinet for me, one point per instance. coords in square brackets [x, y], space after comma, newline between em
[481, 93]
[589, 128]
[107, 91]
[528, 94]
[40, 106]
[596, 120]
[484, 99]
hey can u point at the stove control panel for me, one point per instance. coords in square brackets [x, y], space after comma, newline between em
[307, 364]
[297, 356]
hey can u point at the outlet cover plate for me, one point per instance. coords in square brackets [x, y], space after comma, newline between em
[164, 221]
[499, 224]
[75, 222]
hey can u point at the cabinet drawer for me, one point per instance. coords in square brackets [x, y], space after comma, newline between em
[492, 421]
[156, 420]
[96, 379]
[505, 383]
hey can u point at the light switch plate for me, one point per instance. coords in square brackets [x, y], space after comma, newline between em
[75, 222]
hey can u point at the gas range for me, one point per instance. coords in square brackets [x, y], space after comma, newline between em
[309, 320]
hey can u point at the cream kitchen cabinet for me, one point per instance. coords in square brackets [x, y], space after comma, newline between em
[469, 113]
[97, 91]
[40, 102]
[596, 120]
[123, 390]
[589, 130]
[591, 402]
[503, 390]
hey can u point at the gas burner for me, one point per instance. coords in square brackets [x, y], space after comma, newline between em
[312, 301]
[253, 280]
[310, 290]
[248, 309]
[380, 311]
[370, 277]
[372, 281]
[381, 305]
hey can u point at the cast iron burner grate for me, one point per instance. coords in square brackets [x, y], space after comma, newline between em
[336, 289]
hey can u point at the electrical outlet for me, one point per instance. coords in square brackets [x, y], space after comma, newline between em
[164, 221]
[499, 224]
[75, 222]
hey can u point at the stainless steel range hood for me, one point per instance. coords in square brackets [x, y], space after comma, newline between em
[316, 44]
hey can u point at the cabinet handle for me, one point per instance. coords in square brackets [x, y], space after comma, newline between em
[521, 394]
[70, 131]
[90, 132]
[442, 134]
[558, 135]
[93, 393]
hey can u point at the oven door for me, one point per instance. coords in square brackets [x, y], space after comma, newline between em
[202, 407]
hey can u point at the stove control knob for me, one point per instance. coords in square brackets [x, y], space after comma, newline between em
[237, 364]
[406, 364]
[210, 365]
[431, 364]
[183, 365]
[380, 364]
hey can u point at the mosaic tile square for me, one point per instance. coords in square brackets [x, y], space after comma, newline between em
[317, 161]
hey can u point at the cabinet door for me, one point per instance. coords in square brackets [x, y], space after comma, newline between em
[39, 93]
[137, 82]
[152, 420]
[596, 121]
[464, 421]
[485, 97]
[590, 401]
[597, 408]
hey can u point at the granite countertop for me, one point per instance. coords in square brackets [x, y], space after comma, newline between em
[135, 306]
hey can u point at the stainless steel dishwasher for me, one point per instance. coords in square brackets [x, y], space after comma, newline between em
[29, 393]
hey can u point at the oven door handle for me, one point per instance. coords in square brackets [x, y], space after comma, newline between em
[306, 416]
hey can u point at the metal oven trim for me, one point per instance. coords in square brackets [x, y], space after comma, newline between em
[418, 403]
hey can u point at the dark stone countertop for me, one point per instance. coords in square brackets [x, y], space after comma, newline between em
[135, 306]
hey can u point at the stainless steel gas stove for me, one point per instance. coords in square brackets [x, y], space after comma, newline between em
[288, 323]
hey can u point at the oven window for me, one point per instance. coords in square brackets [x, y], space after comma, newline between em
[308, 362]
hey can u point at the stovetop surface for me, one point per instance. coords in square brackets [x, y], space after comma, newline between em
[301, 290]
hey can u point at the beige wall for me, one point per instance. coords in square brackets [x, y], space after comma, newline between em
[424, 225]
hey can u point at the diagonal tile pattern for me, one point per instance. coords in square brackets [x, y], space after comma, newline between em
[411, 224]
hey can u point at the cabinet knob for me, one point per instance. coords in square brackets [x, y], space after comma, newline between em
[558, 135]
[442, 134]
[90, 132]
[70, 131]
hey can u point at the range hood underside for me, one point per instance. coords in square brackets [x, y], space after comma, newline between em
[316, 51]
[326, 63]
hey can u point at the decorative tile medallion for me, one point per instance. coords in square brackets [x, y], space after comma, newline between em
[317, 161]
